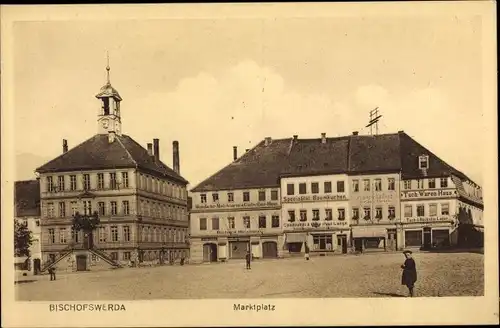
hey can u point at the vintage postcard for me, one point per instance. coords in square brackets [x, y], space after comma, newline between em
[249, 164]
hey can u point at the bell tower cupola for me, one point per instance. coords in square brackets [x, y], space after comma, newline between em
[109, 118]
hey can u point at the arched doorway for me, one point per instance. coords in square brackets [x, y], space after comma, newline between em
[269, 249]
[210, 252]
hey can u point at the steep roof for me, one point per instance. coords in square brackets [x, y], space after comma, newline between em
[27, 198]
[264, 165]
[98, 153]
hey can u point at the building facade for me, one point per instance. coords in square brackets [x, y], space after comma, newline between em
[141, 203]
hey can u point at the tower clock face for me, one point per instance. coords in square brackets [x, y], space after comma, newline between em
[105, 124]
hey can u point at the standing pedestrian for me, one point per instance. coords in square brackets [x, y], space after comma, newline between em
[307, 252]
[248, 259]
[409, 272]
[52, 272]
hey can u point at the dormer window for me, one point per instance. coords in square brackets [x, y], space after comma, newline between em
[423, 162]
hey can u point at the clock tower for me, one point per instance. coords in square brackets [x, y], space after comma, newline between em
[109, 120]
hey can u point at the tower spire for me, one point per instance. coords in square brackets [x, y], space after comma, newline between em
[107, 66]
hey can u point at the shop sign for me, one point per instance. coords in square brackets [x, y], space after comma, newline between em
[377, 197]
[429, 194]
[237, 205]
[314, 224]
[239, 232]
[313, 198]
[427, 219]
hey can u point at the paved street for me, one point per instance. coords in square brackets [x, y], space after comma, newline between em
[370, 275]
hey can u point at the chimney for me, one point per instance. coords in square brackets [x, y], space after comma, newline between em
[268, 141]
[156, 148]
[295, 137]
[323, 137]
[111, 136]
[150, 149]
[235, 153]
[401, 131]
[355, 133]
[175, 147]
[246, 150]
[65, 146]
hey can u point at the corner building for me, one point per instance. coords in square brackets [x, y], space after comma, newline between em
[141, 202]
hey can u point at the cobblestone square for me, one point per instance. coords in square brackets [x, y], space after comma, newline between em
[368, 275]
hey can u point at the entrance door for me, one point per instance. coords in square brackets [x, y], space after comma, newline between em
[427, 238]
[81, 263]
[238, 249]
[391, 240]
[358, 245]
[269, 249]
[37, 265]
[342, 243]
[209, 253]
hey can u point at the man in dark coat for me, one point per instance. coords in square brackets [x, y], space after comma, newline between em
[52, 272]
[248, 259]
[409, 272]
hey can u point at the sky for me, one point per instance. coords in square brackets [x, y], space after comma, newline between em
[213, 84]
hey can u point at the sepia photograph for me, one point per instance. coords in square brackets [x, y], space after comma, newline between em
[249, 155]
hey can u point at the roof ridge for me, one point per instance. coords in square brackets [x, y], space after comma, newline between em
[126, 150]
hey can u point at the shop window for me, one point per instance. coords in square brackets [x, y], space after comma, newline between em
[303, 215]
[315, 215]
[328, 187]
[290, 189]
[315, 188]
[322, 242]
[355, 185]
[262, 222]
[440, 237]
[413, 238]
[302, 188]
[291, 216]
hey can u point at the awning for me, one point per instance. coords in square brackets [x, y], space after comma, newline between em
[368, 232]
[296, 237]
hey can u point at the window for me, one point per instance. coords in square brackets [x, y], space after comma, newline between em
[302, 188]
[355, 213]
[125, 179]
[100, 181]
[274, 194]
[126, 233]
[246, 222]
[291, 216]
[102, 208]
[328, 187]
[303, 215]
[315, 188]
[203, 224]
[126, 207]
[203, 198]
[215, 197]
[315, 215]
[72, 182]
[62, 236]
[113, 208]
[86, 182]
[378, 213]
[378, 184]
[74, 208]
[445, 209]
[328, 214]
[408, 211]
[37, 223]
[52, 236]
[50, 184]
[366, 185]
[322, 242]
[407, 184]
[341, 214]
[420, 210]
[114, 233]
[420, 184]
[290, 189]
[423, 162]
[112, 181]
[62, 209]
[74, 235]
[262, 196]
[246, 196]
[391, 184]
[215, 223]
[126, 256]
[275, 222]
[230, 197]
[391, 213]
[433, 210]
[368, 213]
[230, 222]
[340, 186]
[50, 210]
[444, 182]
[262, 222]
[355, 185]
[61, 183]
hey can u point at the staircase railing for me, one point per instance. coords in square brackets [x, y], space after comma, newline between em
[60, 255]
[104, 256]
